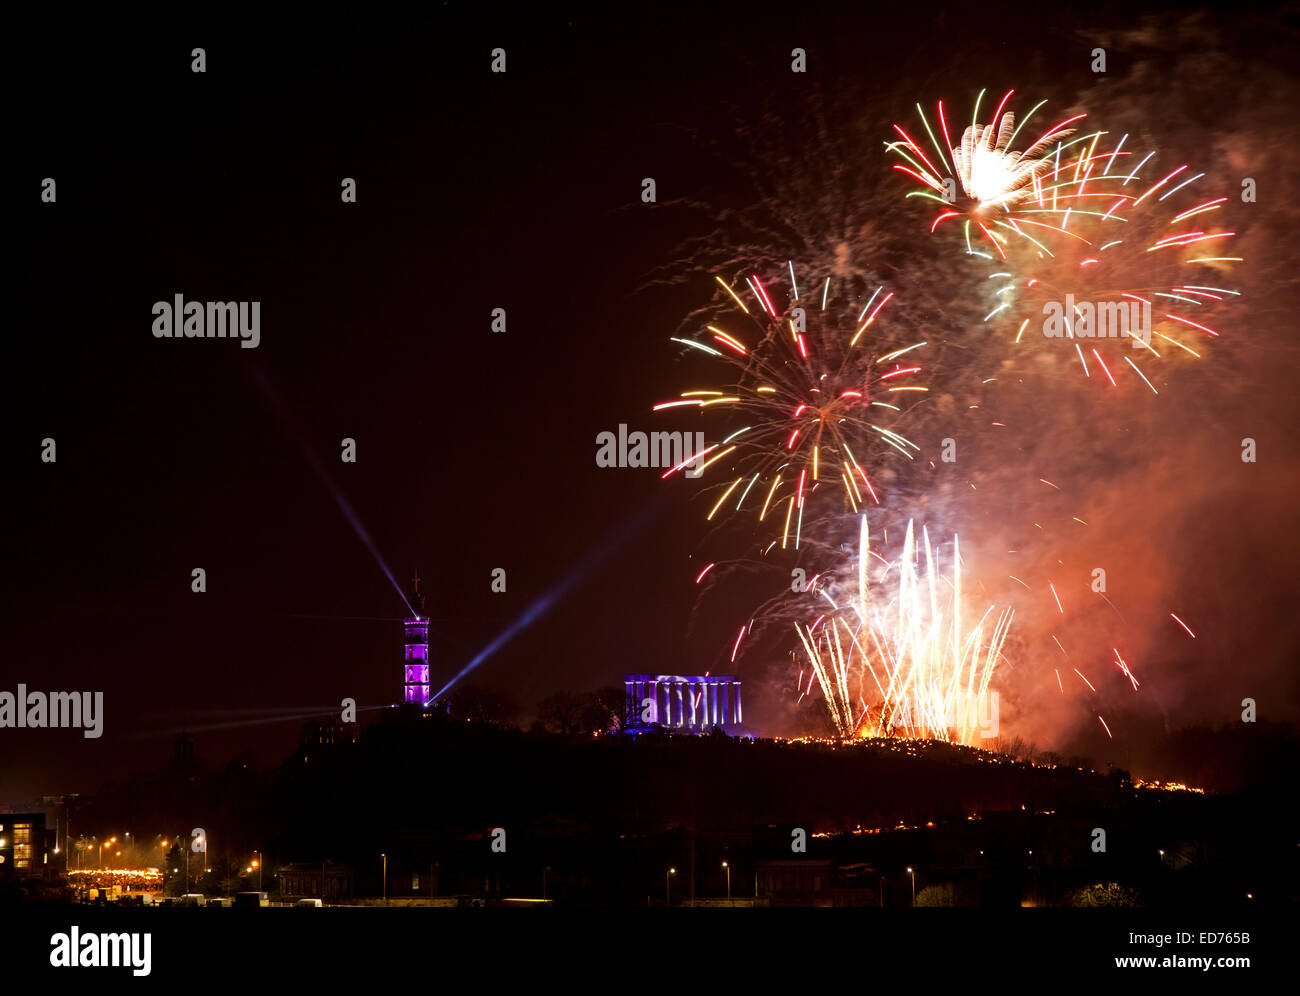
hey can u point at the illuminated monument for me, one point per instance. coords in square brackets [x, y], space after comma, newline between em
[416, 664]
[690, 703]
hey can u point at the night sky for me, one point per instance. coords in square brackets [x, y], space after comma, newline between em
[476, 450]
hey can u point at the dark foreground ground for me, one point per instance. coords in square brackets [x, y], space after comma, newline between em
[453, 809]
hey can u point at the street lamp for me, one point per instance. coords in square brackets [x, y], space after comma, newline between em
[913, 874]
[385, 857]
[668, 896]
[728, 868]
[258, 865]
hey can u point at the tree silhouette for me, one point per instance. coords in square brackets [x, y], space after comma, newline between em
[563, 712]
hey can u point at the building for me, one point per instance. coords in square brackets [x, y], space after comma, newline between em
[28, 849]
[327, 732]
[329, 881]
[796, 882]
[415, 666]
[691, 703]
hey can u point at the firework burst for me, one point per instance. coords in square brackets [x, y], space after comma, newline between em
[996, 189]
[809, 400]
[1144, 278]
[1124, 258]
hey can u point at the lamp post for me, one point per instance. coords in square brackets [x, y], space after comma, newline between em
[385, 857]
[728, 869]
[258, 865]
[668, 896]
[913, 874]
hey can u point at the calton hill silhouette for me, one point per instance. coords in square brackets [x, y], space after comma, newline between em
[468, 804]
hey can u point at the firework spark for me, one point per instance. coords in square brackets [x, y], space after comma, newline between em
[985, 180]
[906, 662]
[1142, 282]
[813, 394]
[1117, 251]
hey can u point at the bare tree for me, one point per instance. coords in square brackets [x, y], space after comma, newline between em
[563, 712]
[483, 705]
[608, 709]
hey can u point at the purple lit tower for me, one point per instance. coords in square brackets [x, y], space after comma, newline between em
[416, 665]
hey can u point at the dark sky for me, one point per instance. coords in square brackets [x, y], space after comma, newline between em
[475, 451]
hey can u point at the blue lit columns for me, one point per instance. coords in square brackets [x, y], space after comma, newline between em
[690, 703]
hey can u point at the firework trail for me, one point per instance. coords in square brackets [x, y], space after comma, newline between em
[813, 197]
[1126, 258]
[807, 457]
[984, 180]
[1043, 484]
[808, 396]
[894, 655]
